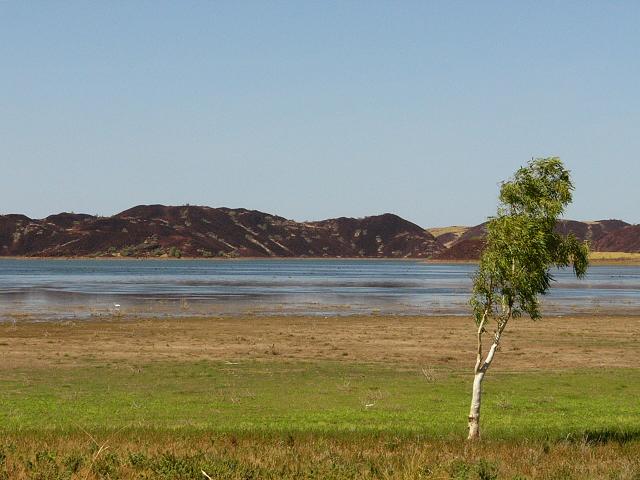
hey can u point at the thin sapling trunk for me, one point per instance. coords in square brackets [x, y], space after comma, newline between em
[479, 372]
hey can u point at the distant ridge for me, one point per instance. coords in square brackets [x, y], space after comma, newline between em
[603, 236]
[200, 231]
[197, 231]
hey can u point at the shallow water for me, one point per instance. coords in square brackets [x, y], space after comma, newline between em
[40, 289]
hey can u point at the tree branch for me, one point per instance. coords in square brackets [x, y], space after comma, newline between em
[480, 331]
[496, 342]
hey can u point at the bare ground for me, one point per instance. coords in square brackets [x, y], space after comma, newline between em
[553, 343]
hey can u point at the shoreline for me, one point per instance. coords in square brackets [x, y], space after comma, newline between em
[621, 261]
[21, 318]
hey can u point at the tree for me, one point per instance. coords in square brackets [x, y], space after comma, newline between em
[515, 266]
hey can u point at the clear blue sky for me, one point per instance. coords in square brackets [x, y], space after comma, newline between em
[315, 109]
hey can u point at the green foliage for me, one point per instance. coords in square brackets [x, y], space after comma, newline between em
[73, 462]
[107, 465]
[138, 460]
[170, 466]
[486, 470]
[459, 469]
[522, 246]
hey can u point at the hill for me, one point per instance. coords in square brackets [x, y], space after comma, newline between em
[199, 231]
[603, 236]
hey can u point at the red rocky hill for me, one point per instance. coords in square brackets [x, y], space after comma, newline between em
[626, 239]
[195, 231]
[603, 236]
[158, 230]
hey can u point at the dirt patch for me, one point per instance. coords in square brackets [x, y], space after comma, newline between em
[553, 343]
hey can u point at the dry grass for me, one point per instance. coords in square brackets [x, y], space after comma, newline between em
[457, 229]
[615, 258]
[155, 455]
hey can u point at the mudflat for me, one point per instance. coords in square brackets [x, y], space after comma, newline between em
[550, 344]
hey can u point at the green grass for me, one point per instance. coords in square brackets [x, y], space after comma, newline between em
[313, 420]
[317, 397]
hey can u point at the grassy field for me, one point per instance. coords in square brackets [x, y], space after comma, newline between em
[354, 397]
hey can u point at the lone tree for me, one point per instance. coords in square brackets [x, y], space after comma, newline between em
[515, 266]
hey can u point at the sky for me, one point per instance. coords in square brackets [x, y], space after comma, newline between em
[316, 109]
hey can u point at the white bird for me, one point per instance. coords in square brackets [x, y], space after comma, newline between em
[117, 305]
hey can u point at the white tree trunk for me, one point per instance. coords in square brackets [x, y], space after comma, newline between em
[476, 397]
[474, 412]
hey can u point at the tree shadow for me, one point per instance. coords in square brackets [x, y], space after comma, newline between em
[606, 435]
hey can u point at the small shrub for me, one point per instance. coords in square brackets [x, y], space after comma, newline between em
[44, 467]
[169, 466]
[459, 469]
[486, 470]
[138, 460]
[73, 462]
[107, 466]
[45, 456]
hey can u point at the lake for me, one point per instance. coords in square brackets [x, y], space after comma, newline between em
[67, 289]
